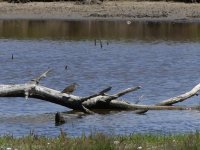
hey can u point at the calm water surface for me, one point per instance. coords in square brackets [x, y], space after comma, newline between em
[163, 58]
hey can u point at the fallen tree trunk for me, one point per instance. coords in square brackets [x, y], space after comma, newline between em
[99, 100]
[73, 102]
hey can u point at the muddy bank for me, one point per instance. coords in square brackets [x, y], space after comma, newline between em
[128, 10]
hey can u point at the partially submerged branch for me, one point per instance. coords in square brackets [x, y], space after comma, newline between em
[61, 118]
[99, 100]
[181, 97]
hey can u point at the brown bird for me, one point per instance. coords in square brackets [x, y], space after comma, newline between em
[70, 89]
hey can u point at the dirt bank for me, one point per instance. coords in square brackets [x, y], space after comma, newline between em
[155, 11]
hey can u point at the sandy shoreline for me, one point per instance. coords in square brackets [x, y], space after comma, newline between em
[128, 10]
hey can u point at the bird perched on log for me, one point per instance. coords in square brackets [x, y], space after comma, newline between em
[70, 89]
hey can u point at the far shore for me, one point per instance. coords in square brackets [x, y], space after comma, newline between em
[109, 10]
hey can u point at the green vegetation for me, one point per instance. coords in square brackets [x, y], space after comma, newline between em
[101, 141]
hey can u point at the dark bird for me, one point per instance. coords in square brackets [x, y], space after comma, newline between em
[70, 89]
[66, 67]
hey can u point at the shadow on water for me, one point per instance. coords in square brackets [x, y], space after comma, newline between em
[90, 30]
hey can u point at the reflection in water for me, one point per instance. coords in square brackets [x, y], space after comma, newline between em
[76, 30]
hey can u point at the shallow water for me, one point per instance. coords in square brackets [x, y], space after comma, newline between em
[161, 58]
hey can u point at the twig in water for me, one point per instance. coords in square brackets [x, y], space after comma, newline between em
[101, 44]
[95, 42]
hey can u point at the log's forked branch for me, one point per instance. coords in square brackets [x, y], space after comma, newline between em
[131, 106]
[43, 75]
[121, 93]
[96, 94]
[154, 107]
[86, 110]
[128, 90]
[105, 90]
[175, 99]
[181, 97]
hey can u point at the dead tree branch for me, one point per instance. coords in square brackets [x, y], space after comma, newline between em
[121, 93]
[100, 100]
[43, 75]
[95, 95]
[181, 97]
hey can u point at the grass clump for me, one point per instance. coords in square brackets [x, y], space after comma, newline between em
[99, 141]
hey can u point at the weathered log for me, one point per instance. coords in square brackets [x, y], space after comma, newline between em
[100, 100]
[73, 102]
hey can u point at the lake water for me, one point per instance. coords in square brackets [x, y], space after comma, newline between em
[163, 58]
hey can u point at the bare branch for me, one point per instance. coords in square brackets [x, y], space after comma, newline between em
[176, 99]
[130, 106]
[43, 75]
[105, 90]
[181, 97]
[128, 90]
[96, 94]
[121, 93]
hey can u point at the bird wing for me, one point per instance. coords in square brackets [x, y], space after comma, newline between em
[68, 89]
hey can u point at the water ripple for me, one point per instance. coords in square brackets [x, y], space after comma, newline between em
[163, 69]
